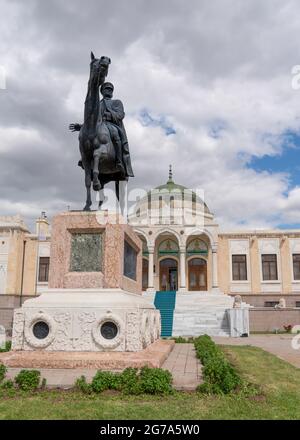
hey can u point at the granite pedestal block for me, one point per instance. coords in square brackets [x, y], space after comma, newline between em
[94, 300]
[91, 250]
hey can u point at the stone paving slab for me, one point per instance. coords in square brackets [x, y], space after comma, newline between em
[184, 366]
[279, 345]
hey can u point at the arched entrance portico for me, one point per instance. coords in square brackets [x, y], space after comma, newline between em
[168, 274]
[197, 274]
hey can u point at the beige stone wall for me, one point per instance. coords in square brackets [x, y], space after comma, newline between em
[223, 264]
[286, 269]
[284, 262]
[14, 266]
[266, 320]
[29, 280]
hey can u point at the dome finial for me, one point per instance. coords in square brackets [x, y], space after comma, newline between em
[170, 174]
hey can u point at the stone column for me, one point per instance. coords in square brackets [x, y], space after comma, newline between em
[215, 284]
[150, 269]
[182, 269]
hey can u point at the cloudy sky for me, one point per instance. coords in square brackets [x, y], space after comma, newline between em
[207, 85]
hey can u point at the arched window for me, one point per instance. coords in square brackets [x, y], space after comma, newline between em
[168, 247]
[197, 247]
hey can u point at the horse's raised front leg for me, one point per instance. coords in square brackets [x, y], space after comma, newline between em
[96, 181]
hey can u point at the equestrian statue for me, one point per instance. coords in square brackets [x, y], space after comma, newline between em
[103, 141]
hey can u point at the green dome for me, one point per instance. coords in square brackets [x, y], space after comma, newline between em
[171, 186]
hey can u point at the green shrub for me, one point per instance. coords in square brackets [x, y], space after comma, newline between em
[6, 348]
[219, 375]
[82, 385]
[179, 340]
[182, 340]
[28, 380]
[3, 371]
[155, 381]
[105, 380]
[7, 384]
[129, 381]
[44, 383]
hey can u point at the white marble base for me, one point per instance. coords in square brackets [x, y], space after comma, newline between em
[198, 313]
[75, 316]
[238, 322]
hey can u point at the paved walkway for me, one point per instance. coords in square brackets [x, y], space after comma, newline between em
[184, 366]
[280, 345]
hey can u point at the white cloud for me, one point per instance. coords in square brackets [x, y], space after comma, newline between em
[220, 74]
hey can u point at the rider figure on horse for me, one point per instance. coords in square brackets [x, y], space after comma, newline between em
[111, 112]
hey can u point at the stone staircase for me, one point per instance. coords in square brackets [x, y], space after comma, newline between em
[199, 313]
[165, 302]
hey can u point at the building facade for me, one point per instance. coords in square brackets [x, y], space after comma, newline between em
[184, 250]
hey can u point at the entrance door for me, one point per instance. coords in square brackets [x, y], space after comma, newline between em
[168, 274]
[197, 274]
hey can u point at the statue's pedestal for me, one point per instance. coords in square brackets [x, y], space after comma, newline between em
[94, 300]
[94, 250]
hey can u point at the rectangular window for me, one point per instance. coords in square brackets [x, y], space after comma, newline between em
[130, 259]
[296, 266]
[269, 267]
[271, 303]
[239, 267]
[297, 303]
[44, 269]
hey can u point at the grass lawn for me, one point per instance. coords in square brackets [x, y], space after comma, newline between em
[280, 399]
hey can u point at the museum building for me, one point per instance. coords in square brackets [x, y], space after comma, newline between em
[192, 268]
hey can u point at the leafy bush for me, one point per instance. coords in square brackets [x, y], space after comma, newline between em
[82, 385]
[130, 381]
[7, 384]
[219, 375]
[182, 340]
[155, 381]
[6, 348]
[105, 380]
[3, 371]
[28, 380]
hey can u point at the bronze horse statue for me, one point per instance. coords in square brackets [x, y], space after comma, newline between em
[103, 142]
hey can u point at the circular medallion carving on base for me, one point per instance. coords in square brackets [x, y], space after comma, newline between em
[108, 331]
[40, 330]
